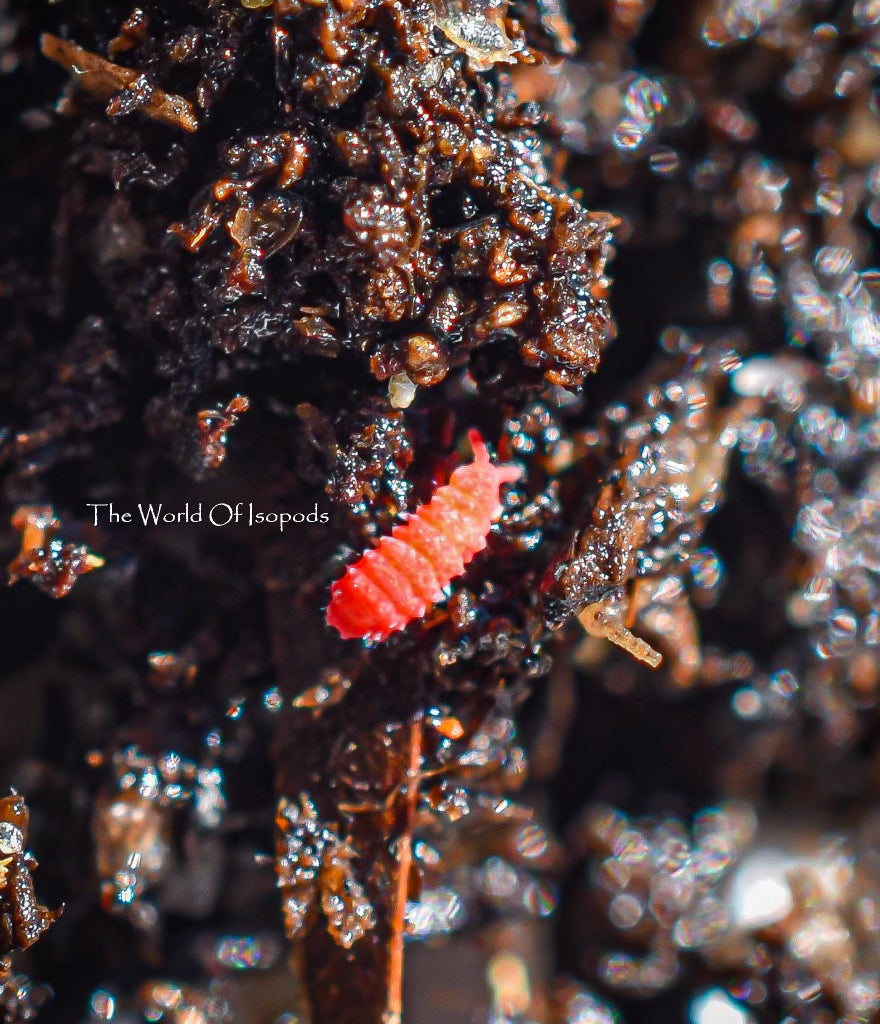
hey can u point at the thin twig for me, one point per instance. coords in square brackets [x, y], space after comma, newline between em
[404, 865]
[109, 81]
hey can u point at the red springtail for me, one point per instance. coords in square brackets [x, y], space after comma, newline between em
[399, 579]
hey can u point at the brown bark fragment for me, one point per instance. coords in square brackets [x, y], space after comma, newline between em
[110, 82]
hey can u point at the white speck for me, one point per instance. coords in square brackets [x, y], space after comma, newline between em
[716, 1007]
[759, 893]
[401, 391]
[764, 375]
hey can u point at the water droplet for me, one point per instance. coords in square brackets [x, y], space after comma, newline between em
[643, 100]
[829, 198]
[747, 703]
[437, 912]
[531, 842]
[706, 569]
[272, 700]
[247, 952]
[866, 12]
[102, 1005]
[665, 161]
[625, 911]
[583, 1007]
[843, 624]
[866, 335]
[629, 135]
[834, 259]
[762, 283]
[792, 239]
[815, 525]
[783, 684]
[720, 272]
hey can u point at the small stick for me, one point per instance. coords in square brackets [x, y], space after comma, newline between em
[404, 864]
[107, 80]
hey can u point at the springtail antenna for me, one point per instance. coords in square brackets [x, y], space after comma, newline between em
[597, 622]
